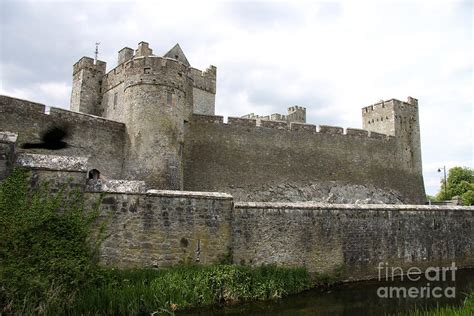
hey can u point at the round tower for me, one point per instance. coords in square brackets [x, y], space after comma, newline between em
[156, 97]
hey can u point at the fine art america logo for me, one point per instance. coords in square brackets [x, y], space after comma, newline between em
[415, 274]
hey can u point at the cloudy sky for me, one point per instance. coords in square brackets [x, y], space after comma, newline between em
[333, 57]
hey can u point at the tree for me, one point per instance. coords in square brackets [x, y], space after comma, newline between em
[460, 182]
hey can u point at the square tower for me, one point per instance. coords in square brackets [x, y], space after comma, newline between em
[399, 119]
[86, 94]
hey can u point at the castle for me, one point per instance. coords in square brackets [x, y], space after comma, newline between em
[144, 144]
[295, 114]
[152, 118]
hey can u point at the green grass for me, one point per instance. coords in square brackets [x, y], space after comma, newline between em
[131, 292]
[466, 309]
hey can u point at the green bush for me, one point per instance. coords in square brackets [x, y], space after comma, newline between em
[460, 182]
[45, 246]
[48, 265]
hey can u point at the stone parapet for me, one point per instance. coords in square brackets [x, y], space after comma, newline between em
[51, 162]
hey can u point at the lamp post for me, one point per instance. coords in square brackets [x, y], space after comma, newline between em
[445, 182]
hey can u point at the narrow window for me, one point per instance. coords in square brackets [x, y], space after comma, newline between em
[115, 99]
[169, 98]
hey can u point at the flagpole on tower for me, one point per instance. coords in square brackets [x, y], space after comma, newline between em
[96, 54]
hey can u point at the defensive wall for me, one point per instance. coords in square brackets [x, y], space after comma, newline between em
[276, 161]
[98, 139]
[159, 228]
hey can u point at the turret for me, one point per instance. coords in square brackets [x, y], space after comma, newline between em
[155, 105]
[125, 54]
[204, 90]
[296, 114]
[86, 93]
[143, 50]
[399, 119]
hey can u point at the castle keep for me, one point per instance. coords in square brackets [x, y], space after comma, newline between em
[178, 185]
[152, 118]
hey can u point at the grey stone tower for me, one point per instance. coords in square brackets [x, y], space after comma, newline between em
[155, 97]
[86, 93]
[157, 100]
[399, 119]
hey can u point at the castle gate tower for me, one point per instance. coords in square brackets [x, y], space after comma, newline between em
[157, 94]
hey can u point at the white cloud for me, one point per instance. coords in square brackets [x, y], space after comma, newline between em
[53, 93]
[59, 91]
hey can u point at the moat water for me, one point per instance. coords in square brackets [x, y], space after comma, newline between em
[357, 298]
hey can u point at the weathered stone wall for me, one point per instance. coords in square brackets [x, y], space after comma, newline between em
[58, 172]
[163, 228]
[159, 228]
[379, 117]
[204, 90]
[7, 153]
[101, 140]
[112, 106]
[352, 238]
[254, 162]
[203, 102]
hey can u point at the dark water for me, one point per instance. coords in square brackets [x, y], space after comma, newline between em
[359, 298]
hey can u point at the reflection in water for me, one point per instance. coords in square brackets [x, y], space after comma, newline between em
[358, 298]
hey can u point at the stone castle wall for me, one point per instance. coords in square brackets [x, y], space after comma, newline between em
[356, 238]
[165, 228]
[270, 162]
[101, 140]
[162, 228]
[296, 162]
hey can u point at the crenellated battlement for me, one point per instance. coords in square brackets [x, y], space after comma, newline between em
[204, 80]
[295, 114]
[88, 63]
[326, 129]
[391, 103]
[357, 132]
[237, 121]
[292, 127]
[295, 108]
[274, 124]
[200, 118]
[152, 70]
[300, 127]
